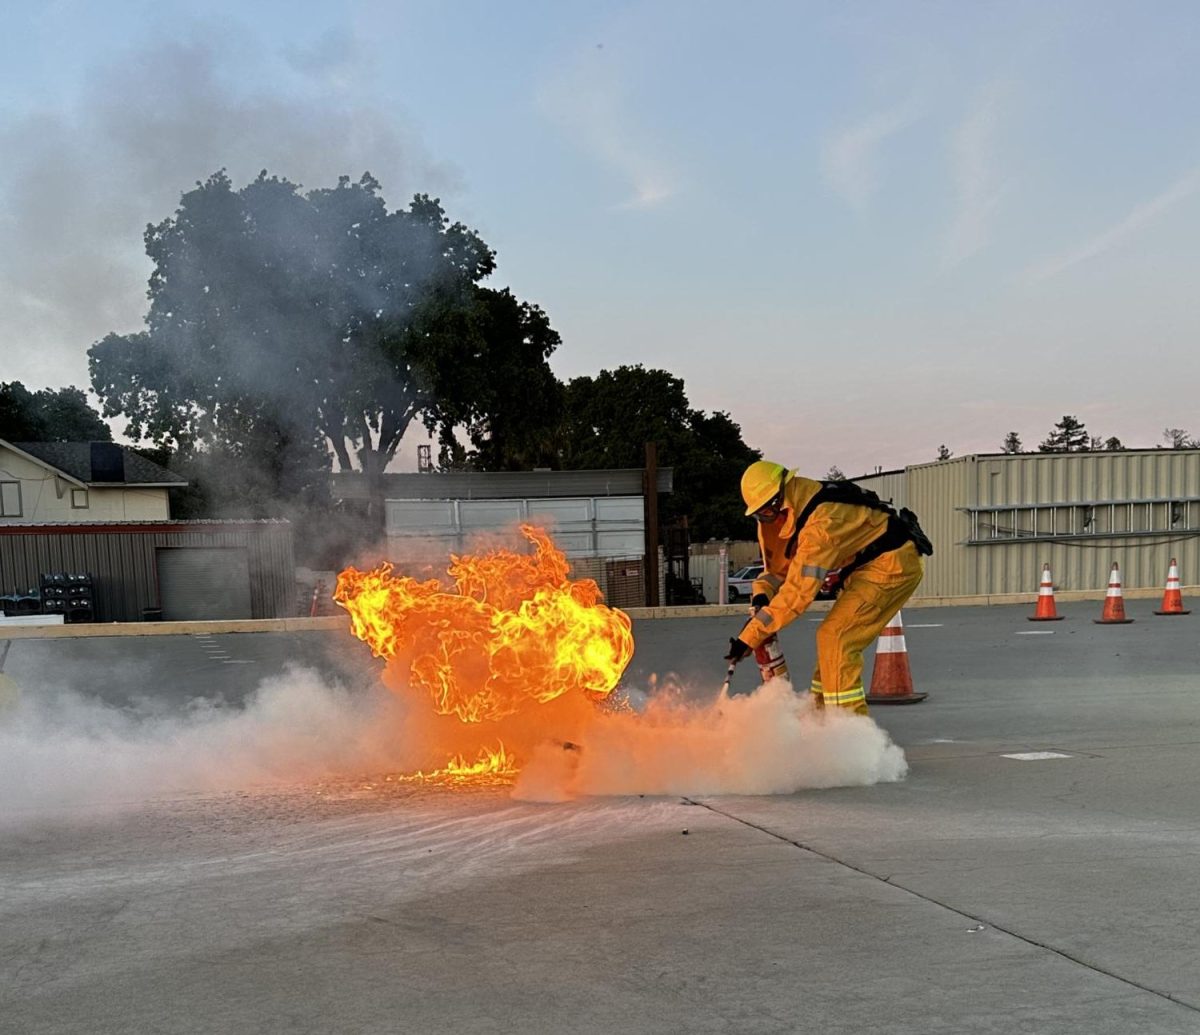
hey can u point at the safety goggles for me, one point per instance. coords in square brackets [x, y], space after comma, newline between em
[770, 511]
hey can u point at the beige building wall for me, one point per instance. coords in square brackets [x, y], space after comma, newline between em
[46, 496]
[995, 520]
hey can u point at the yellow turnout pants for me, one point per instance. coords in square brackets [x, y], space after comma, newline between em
[868, 601]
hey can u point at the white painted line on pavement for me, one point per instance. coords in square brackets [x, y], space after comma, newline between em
[924, 625]
[1036, 756]
[1036, 632]
[234, 661]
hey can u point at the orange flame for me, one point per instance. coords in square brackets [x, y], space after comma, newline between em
[514, 632]
[491, 767]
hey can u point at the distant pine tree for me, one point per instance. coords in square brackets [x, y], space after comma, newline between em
[1069, 436]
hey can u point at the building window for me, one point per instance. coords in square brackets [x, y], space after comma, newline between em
[79, 499]
[10, 499]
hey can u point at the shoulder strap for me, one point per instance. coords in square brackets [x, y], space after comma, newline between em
[836, 492]
[842, 492]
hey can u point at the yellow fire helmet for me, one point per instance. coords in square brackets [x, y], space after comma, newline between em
[762, 480]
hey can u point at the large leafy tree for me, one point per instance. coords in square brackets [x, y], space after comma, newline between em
[608, 419]
[296, 319]
[49, 415]
[508, 403]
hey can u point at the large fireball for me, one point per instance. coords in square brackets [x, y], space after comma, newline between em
[512, 634]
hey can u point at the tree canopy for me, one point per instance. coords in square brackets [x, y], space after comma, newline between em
[608, 419]
[508, 403]
[49, 415]
[313, 317]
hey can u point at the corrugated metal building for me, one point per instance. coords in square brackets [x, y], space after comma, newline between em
[185, 569]
[996, 518]
[597, 518]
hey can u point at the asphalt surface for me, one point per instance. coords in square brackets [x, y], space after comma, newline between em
[983, 893]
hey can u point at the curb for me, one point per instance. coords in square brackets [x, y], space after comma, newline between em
[241, 625]
[340, 623]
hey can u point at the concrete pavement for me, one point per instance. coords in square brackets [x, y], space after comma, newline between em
[984, 893]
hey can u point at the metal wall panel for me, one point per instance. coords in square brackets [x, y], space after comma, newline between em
[609, 526]
[420, 516]
[943, 494]
[934, 492]
[628, 510]
[1115, 480]
[490, 514]
[121, 559]
[203, 582]
[562, 513]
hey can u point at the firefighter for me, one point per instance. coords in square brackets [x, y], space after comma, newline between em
[814, 534]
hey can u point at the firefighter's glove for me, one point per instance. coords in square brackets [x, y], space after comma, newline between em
[738, 649]
[760, 600]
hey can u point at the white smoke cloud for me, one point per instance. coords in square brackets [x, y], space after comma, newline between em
[64, 750]
[768, 742]
[79, 184]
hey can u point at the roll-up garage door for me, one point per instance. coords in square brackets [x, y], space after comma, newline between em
[197, 583]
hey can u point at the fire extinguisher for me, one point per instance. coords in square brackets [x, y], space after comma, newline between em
[769, 655]
[771, 662]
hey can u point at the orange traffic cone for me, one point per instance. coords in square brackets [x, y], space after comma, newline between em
[1172, 602]
[1114, 603]
[1045, 611]
[891, 680]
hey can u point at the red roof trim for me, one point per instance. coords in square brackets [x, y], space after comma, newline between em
[167, 527]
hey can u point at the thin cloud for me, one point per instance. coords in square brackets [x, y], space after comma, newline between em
[589, 105]
[977, 190]
[850, 159]
[1141, 216]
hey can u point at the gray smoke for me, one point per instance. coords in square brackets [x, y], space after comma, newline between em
[78, 184]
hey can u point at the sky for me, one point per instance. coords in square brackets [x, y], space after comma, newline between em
[863, 230]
